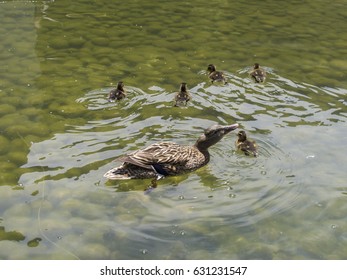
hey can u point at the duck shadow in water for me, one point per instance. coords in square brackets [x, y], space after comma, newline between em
[148, 185]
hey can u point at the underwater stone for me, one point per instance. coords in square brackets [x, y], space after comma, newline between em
[59, 43]
[34, 242]
[6, 109]
[4, 144]
[76, 42]
[19, 129]
[10, 235]
[18, 158]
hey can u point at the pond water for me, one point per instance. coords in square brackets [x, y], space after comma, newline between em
[59, 135]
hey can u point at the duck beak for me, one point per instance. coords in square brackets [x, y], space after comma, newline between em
[228, 128]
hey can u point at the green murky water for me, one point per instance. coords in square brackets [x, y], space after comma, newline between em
[58, 133]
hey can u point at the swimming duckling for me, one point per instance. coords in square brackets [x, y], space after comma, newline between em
[168, 158]
[249, 147]
[183, 96]
[258, 73]
[117, 93]
[214, 75]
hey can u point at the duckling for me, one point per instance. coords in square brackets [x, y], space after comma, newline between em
[169, 158]
[249, 147]
[183, 96]
[258, 73]
[214, 75]
[117, 93]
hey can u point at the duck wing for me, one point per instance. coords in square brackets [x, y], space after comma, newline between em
[249, 148]
[258, 75]
[159, 153]
[216, 75]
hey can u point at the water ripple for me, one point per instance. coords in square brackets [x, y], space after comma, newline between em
[233, 189]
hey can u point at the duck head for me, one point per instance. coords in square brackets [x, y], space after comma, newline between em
[213, 135]
[211, 68]
[183, 87]
[256, 66]
[242, 136]
[120, 86]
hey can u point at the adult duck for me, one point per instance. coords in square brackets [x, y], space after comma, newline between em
[118, 93]
[168, 158]
[214, 75]
[258, 73]
[249, 147]
[183, 96]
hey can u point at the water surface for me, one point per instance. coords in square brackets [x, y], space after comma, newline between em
[59, 135]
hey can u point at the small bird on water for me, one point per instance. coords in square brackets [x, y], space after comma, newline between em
[258, 73]
[214, 75]
[183, 96]
[168, 158]
[249, 147]
[118, 93]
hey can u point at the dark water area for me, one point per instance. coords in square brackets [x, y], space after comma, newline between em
[59, 134]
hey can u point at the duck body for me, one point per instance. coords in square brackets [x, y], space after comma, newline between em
[248, 147]
[214, 75]
[168, 158]
[183, 96]
[164, 158]
[258, 73]
[117, 93]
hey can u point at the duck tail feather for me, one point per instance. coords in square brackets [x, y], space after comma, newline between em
[117, 173]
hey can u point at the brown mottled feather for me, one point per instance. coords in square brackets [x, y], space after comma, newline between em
[258, 73]
[168, 158]
[214, 75]
[249, 147]
[183, 96]
[117, 93]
